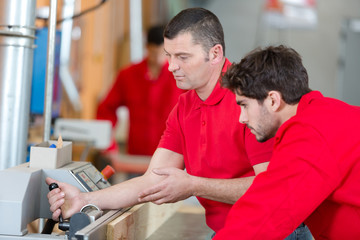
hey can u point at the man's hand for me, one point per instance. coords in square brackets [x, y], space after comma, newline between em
[66, 197]
[175, 186]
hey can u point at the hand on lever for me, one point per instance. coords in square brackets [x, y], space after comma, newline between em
[65, 200]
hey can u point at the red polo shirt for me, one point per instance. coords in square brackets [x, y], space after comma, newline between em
[149, 102]
[213, 142]
[313, 176]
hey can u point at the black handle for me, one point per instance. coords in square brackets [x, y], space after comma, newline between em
[62, 224]
[52, 186]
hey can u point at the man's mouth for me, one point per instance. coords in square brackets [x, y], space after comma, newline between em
[177, 77]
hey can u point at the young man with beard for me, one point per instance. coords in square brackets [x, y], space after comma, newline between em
[313, 175]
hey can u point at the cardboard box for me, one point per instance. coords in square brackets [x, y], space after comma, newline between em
[42, 156]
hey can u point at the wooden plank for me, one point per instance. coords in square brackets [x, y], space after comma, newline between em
[140, 221]
[188, 223]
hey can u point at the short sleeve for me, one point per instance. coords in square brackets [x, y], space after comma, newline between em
[172, 136]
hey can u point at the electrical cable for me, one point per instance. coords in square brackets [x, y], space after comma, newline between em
[78, 14]
[82, 13]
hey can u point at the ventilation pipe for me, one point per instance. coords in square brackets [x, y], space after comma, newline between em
[17, 34]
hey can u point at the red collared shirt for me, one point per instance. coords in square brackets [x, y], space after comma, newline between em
[313, 176]
[149, 102]
[213, 142]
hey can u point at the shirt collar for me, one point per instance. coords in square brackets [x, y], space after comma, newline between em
[306, 100]
[218, 92]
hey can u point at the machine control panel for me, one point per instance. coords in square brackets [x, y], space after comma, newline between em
[90, 178]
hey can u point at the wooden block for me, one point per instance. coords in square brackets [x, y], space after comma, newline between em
[140, 221]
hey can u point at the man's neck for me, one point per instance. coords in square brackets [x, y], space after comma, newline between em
[154, 70]
[206, 91]
[288, 112]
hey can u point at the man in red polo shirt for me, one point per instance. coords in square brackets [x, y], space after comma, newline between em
[313, 175]
[220, 155]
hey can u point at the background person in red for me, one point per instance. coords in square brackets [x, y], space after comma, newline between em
[220, 155]
[149, 92]
[313, 175]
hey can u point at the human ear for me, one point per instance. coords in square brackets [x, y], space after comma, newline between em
[216, 54]
[274, 100]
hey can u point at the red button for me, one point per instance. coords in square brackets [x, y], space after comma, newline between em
[107, 172]
[203, 123]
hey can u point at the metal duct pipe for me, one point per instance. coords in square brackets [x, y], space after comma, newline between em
[17, 33]
[50, 70]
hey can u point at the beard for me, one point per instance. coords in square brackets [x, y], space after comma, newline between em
[263, 138]
[266, 127]
[260, 135]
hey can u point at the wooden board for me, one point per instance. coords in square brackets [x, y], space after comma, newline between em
[188, 223]
[140, 221]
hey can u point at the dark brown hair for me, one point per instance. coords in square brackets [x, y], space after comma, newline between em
[273, 68]
[202, 24]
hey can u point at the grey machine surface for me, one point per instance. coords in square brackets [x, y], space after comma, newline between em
[23, 199]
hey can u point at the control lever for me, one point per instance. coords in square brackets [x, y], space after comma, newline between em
[63, 225]
[87, 214]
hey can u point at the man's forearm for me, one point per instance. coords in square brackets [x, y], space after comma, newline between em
[221, 190]
[121, 195]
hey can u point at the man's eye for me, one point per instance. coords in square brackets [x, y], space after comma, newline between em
[183, 57]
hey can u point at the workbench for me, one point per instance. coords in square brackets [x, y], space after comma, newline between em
[160, 222]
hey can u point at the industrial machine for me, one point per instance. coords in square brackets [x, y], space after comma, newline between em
[23, 189]
[23, 195]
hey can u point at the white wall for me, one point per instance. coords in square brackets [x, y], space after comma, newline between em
[319, 47]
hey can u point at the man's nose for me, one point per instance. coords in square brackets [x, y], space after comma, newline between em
[243, 118]
[173, 66]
